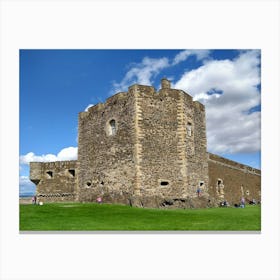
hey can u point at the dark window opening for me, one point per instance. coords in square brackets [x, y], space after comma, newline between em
[112, 127]
[167, 203]
[50, 174]
[164, 183]
[219, 181]
[72, 172]
[102, 183]
[189, 129]
[201, 184]
[88, 184]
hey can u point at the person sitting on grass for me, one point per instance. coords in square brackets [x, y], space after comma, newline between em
[99, 200]
[224, 204]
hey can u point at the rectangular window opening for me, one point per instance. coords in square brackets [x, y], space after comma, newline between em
[189, 129]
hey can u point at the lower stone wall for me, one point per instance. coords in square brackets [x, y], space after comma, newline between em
[229, 180]
[171, 202]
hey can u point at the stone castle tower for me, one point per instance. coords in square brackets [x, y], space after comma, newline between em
[143, 148]
[143, 143]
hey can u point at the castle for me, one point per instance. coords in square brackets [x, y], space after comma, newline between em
[149, 149]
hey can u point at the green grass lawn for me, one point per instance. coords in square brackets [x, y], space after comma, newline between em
[94, 217]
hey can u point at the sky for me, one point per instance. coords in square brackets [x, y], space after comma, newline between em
[55, 85]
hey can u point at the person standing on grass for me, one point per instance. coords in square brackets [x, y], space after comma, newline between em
[242, 204]
[99, 200]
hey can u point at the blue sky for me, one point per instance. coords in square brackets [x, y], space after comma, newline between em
[55, 85]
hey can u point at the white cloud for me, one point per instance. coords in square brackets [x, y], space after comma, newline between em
[88, 106]
[69, 153]
[25, 185]
[142, 73]
[230, 126]
[183, 55]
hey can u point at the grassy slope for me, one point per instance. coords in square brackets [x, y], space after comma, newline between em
[76, 216]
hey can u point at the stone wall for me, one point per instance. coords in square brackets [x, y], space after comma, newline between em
[106, 150]
[55, 181]
[229, 180]
[150, 157]
[156, 131]
[196, 146]
[171, 161]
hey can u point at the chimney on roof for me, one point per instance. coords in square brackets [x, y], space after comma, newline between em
[165, 84]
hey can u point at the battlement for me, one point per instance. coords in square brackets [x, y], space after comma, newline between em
[41, 170]
[53, 164]
[115, 98]
[99, 107]
[199, 105]
[141, 90]
[136, 88]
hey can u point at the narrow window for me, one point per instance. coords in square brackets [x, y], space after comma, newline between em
[220, 187]
[112, 127]
[71, 172]
[49, 174]
[164, 183]
[189, 129]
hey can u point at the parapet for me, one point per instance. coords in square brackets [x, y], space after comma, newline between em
[97, 107]
[38, 169]
[199, 105]
[116, 97]
[101, 106]
[59, 164]
[142, 88]
[233, 164]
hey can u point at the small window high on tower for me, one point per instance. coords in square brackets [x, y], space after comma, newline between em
[112, 127]
[189, 129]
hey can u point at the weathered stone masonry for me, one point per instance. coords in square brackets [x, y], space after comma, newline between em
[146, 148]
[55, 181]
